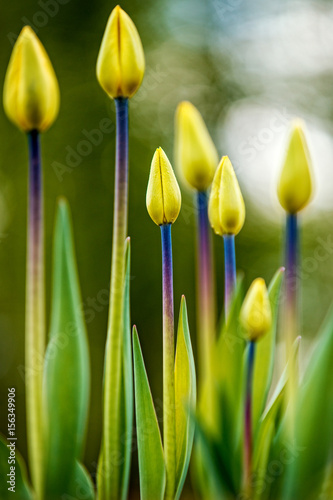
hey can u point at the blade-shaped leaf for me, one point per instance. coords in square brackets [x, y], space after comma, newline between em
[228, 356]
[151, 459]
[265, 350]
[220, 483]
[228, 367]
[21, 486]
[81, 485]
[127, 406]
[185, 398]
[268, 429]
[314, 423]
[127, 380]
[67, 373]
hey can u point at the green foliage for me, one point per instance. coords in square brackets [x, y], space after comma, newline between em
[151, 459]
[185, 398]
[265, 352]
[313, 424]
[126, 396]
[151, 456]
[22, 488]
[67, 372]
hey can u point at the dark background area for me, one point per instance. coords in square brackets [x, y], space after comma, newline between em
[249, 67]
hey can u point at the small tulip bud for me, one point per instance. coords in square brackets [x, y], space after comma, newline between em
[226, 209]
[295, 184]
[121, 60]
[196, 154]
[31, 93]
[163, 198]
[256, 313]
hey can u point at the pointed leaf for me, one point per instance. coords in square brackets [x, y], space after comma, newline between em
[185, 398]
[314, 423]
[81, 485]
[22, 489]
[151, 459]
[265, 351]
[127, 381]
[67, 373]
[127, 406]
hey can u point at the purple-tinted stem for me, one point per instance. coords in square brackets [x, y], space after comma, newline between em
[205, 285]
[229, 270]
[292, 245]
[35, 312]
[291, 311]
[169, 427]
[112, 379]
[248, 416]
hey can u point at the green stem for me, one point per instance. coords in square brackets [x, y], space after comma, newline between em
[205, 289]
[248, 419]
[35, 315]
[169, 420]
[112, 445]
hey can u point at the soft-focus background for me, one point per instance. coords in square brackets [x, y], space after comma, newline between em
[250, 67]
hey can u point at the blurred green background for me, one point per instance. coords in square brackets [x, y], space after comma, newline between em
[249, 67]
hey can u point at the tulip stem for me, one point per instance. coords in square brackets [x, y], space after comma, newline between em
[35, 314]
[110, 475]
[291, 318]
[229, 270]
[292, 250]
[248, 418]
[205, 287]
[169, 424]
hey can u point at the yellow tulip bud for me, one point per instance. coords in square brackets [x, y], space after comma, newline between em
[295, 184]
[31, 93]
[226, 208]
[256, 312]
[121, 60]
[163, 198]
[195, 151]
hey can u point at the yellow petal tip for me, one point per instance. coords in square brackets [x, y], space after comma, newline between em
[163, 197]
[256, 313]
[195, 151]
[295, 186]
[226, 208]
[31, 92]
[121, 62]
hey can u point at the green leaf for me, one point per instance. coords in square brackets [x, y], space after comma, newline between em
[219, 483]
[22, 488]
[151, 460]
[185, 398]
[229, 353]
[67, 373]
[126, 396]
[127, 381]
[81, 486]
[228, 367]
[265, 351]
[269, 429]
[314, 423]
[260, 484]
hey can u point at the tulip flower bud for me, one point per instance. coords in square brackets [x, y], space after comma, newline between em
[226, 209]
[295, 184]
[195, 151]
[31, 93]
[256, 313]
[163, 198]
[121, 61]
